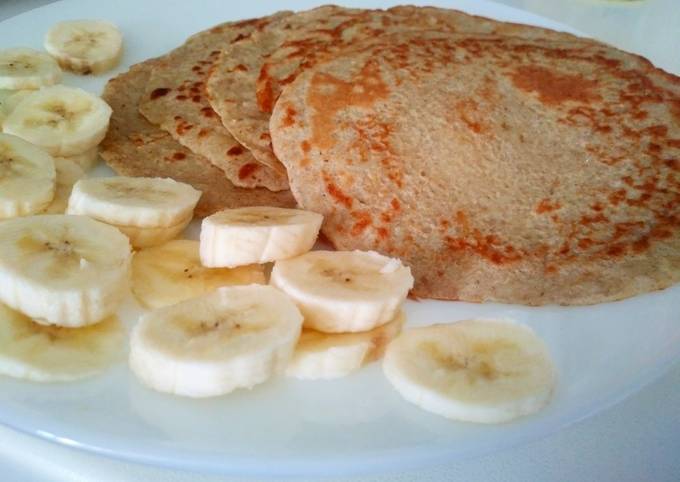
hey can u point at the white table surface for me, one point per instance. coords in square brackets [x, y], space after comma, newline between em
[637, 440]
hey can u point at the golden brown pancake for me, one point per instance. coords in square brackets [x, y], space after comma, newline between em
[251, 72]
[135, 147]
[175, 99]
[499, 168]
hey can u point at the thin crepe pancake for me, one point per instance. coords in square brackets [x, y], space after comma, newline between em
[250, 73]
[175, 99]
[135, 147]
[498, 168]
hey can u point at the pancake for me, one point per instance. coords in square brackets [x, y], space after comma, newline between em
[176, 100]
[498, 168]
[135, 147]
[250, 73]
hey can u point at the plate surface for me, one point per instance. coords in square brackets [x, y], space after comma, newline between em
[355, 425]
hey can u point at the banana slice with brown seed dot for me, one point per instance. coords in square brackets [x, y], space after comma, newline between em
[235, 337]
[63, 270]
[344, 291]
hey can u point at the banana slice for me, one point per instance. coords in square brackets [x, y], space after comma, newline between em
[64, 121]
[475, 371]
[40, 353]
[149, 237]
[85, 46]
[63, 270]
[146, 202]
[87, 160]
[235, 337]
[168, 274]
[344, 291]
[27, 177]
[238, 237]
[326, 356]
[68, 173]
[24, 68]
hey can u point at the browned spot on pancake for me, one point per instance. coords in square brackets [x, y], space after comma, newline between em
[208, 112]
[160, 92]
[475, 127]
[641, 245]
[617, 196]
[467, 110]
[462, 221]
[585, 243]
[240, 37]
[304, 145]
[328, 94]
[203, 132]
[383, 233]
[183, 127]
[235, 151]
[289, 119]
[196, 98]
[247, 170]
[616, 250]
[396, 205]
[181, 97]
[363, 221]
[598, 218]
[241, 68]
[554, 87]
[178, 156]
[336, 193]
[675, 109]
[265, 90]
[487, 247]
[545, 206]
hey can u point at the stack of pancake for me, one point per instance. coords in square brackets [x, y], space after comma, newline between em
[500, 161]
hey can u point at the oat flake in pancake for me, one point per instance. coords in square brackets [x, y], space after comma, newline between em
[175, 98]
[251, 72]
[135, 147]
[498, 168]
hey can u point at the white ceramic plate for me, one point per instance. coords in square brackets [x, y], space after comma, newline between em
[356, 425]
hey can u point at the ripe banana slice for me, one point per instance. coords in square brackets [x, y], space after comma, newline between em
[149, 237]
[63, 270]
[24, 68]
[237, 336]
[168, 274]
[68, 173]
[64, 121]
[325, 356]
[40, 353]
[85, 46]
[87, 160]
[475, 371]
[147, 202]
[27, 177]
[344, 291]
[238, 237]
